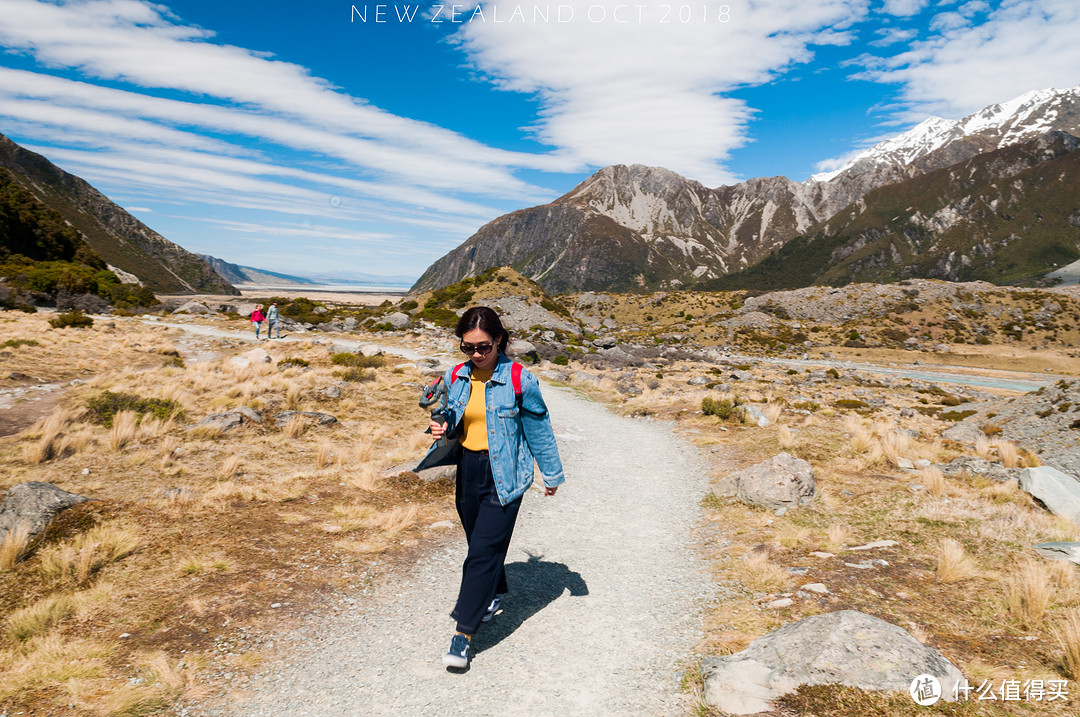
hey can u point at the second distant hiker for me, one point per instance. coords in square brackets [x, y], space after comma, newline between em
[272, 322]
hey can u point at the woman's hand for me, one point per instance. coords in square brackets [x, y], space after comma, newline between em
[437, 429]
[550, 491]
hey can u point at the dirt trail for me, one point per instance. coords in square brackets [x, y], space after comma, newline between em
[606, 598]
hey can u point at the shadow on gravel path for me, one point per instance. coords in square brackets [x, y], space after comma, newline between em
[534, 584]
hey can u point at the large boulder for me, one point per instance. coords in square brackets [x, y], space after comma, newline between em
[230, 419]
[248, 358]
[840, 648]
[31, 506]
[964, 432]
[783, 481]
[397, 319]
[1059, 551]
[194, 307]
[1060, 492]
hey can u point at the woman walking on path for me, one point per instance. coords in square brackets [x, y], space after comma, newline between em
[496, 410]
[257, 318]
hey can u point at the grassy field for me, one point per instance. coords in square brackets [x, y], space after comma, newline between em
[962, 576]
[192, 535]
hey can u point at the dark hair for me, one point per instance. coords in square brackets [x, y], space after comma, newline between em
[485, 319]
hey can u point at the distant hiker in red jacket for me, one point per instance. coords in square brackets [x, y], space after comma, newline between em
[257, 318]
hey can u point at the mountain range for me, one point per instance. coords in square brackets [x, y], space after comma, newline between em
[129, 247]
[637, 227]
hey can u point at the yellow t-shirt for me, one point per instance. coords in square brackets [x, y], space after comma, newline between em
[474, 422]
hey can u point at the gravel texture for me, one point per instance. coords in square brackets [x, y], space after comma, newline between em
[607, 593]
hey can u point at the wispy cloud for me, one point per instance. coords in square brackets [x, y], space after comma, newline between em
[649, 91]
[975, 58]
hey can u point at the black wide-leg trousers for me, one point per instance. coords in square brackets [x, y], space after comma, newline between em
[488, 527]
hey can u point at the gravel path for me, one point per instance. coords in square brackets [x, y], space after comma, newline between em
[607, 593]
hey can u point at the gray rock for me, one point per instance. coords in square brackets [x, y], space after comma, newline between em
[973, 465]
[334, 326]
[248, 413]
[397, 319]
[221, 421]
[756, 416]
[1060, 492]
[320, 310]
[350, 324]
[254, 356]
[964, 432]
[742, 375]
[585, 377]
[323, 419]
[697, 381]
[520, 346]
[428, 474]
[845, 648]
[31, 506]
[332, 391]
[628, 389]
[605, 342]
[875, 545]
[1059, 551]
[783, 481]
[194, 307]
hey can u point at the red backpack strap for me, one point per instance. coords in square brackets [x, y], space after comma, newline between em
[515, 380]
[454, 373]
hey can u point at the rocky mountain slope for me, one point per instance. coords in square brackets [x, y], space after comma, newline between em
[646, 227]
[119, 238]
[1007, 216]
[237, 274]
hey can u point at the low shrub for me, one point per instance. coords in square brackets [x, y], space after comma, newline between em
[561, 360]
[851, 403]
[725, 409]
[357, 360]
[75, 319]
[16, 343]
[833, 373]
[104, 407]
[293, 362]
[357, 374]
[955, 415]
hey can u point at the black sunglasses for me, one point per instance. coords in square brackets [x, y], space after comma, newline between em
[482, 349]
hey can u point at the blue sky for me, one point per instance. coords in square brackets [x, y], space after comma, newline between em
[308, 140]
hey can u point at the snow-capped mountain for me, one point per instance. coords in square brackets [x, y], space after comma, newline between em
[638, 227]
[996, 126]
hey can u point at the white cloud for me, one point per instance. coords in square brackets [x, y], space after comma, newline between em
[647, 91]
[903, 8]
[1021, 46]
[892, 35]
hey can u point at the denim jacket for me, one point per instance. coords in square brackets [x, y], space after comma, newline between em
[515, 437]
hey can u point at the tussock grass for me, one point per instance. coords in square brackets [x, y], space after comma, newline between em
[934, 480]
[760, 575]
[786, 438]
[325, 456]
[1066, 632]
[294, 427]
[49, 661]
[836, 537]
[230, 467]
[1028, 594]
[14, 546]
[78, 560]
[953, 563]
[38, 618]
[125, 426]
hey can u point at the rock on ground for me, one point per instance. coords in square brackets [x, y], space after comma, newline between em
[31, 507]
[845, 648]
[1060, 492]
[323, 419]
[194, 307]
[783, 481]
[254, 356]
[1059, 551]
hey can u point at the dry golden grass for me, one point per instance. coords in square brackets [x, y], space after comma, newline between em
[294, 427]
[773, 411]
[364, 477]
[79, 559]
[760, 575]
[50, 660]
[953, 563]
[792, 536]
[14, 546]
[934, 480]
[39, 617]
[836, 537]
[230, 467]
[325, 456]
[1028, 594]
[1066, 632]
[785, 438]
[124, 429]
